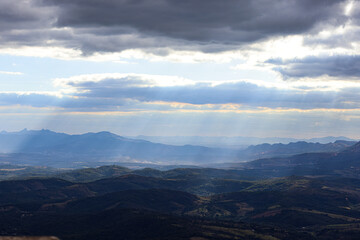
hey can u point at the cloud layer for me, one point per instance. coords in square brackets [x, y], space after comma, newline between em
[116, 25]
[345, 67]
[134, 92]
[328, 30]
[198, 20]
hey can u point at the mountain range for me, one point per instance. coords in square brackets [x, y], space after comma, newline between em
[239, 142]
[45, 147]
[48, 148]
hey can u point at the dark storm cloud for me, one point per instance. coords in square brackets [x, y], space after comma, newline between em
[115, 25]
[26, 23]
[343, 67]
[199, 20]
[23, 14]
[16, 11]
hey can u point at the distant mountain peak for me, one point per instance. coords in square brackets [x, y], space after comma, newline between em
[105, 133]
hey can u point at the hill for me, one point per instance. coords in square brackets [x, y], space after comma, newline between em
[137, 207]
[344, 163]
[293, 148]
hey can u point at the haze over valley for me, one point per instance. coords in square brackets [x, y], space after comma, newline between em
[48, 148]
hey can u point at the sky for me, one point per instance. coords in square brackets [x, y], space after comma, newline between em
[260, 68]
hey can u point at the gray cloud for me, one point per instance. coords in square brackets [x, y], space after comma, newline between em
[42, 100]
[343, 66]
[24, 14]
[26, 23]
[244, 93]
[31, 99]
[16, 12]
[115, 25]
[134, 92]
[346, 38]
[211, 20]
[355, 14]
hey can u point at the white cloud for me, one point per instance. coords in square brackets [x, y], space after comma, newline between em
[11, 73]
